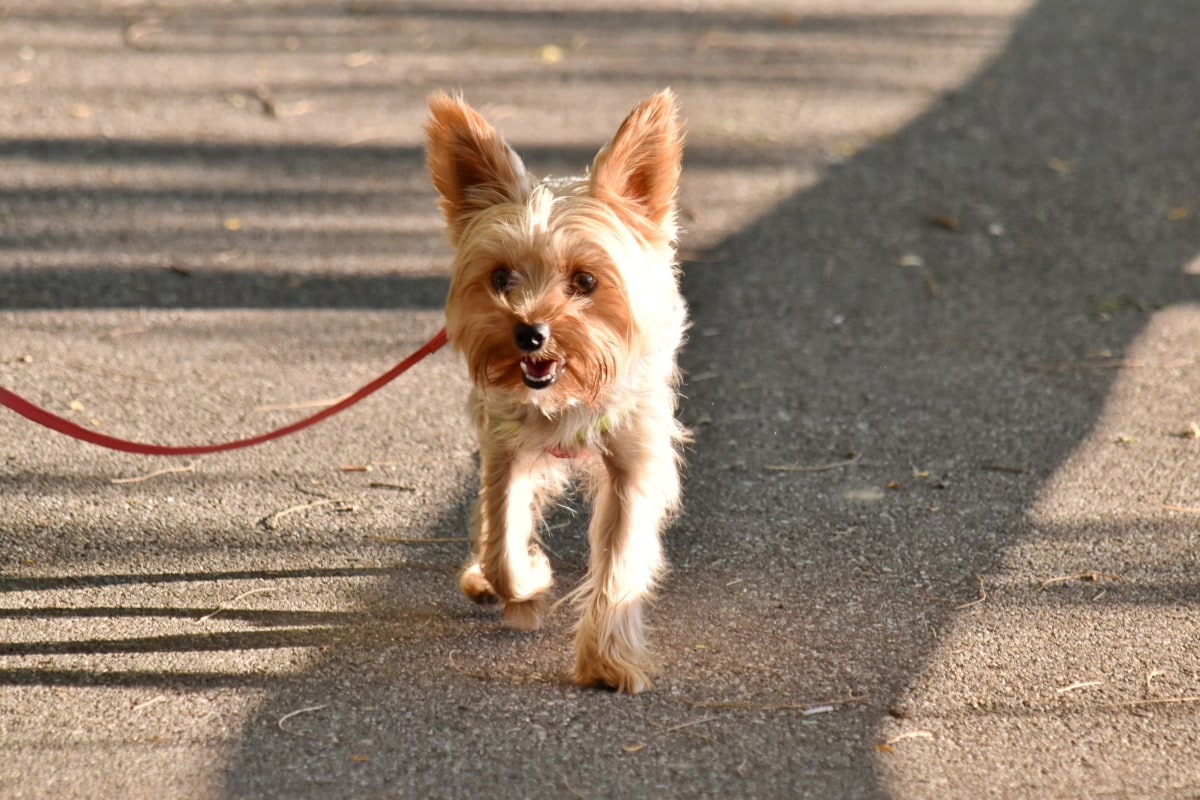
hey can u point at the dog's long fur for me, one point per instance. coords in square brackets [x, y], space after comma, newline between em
[589, 263]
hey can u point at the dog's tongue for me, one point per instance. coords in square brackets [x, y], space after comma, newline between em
[538, 369]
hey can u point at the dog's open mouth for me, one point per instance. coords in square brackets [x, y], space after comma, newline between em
[540, 373]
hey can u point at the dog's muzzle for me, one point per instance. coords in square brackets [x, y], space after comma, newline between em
[538, 373]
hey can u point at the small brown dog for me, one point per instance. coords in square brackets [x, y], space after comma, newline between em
[564, 300]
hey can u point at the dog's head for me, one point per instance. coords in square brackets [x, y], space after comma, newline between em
[558, 287]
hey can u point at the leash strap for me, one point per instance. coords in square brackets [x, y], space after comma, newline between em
[68, 428]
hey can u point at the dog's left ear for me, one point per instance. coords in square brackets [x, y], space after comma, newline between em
[641, 163]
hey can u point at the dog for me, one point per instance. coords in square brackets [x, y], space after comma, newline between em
[564, 302]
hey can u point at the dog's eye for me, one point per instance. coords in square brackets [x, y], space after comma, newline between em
[502, 279]
[583, 283]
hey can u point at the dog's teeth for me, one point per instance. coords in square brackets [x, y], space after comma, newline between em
[540, 373]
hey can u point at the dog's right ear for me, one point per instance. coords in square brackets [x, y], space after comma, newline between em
[471, 166]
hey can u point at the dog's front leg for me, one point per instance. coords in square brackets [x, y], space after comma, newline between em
[505, 563]
[636, 490]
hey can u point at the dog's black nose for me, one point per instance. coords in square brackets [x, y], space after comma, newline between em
[530, 338]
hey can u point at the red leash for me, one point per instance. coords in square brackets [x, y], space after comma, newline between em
[64, 426]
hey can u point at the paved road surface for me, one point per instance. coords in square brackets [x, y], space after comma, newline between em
[957, 239]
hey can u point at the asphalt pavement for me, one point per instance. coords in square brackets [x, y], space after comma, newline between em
[942, 507]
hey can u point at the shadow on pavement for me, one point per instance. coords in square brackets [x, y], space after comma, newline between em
[951, 308]
[935, 307]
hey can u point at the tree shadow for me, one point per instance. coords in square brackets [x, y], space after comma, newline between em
[232, 225]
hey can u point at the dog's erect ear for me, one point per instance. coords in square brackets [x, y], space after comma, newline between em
[470, 164]
[641, 163]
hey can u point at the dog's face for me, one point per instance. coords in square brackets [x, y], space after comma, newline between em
[556, 287]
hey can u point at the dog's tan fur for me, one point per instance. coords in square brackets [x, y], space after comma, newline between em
[592, 260]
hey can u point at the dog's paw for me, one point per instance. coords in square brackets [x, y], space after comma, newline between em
[619, 675]
[525, 615]
[610, 651]
[603, 662]
[476, 587]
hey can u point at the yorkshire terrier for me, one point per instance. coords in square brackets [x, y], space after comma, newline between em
[564, 300]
